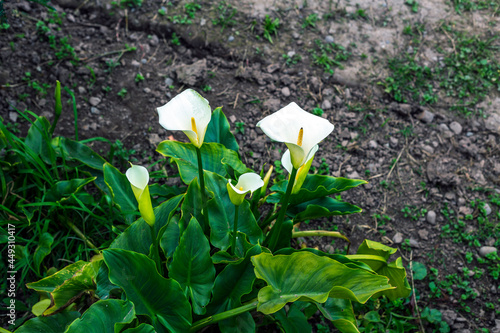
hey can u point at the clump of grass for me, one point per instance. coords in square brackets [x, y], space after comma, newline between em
[329, 55]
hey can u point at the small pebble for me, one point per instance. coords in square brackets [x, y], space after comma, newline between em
[94, 101]
[285, 91]
[425, 116]
[373, 144]
[398, 238]
[94, 110]
[230, 38]
[485, 250]
[329, 39]
[431, 217]
[487, 209]
[456, 128]
[169, 81]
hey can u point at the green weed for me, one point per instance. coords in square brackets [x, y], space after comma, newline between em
[270, 27]
[225, 15]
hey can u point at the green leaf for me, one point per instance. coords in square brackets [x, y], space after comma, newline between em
[52, 324]
[170, 238]
[184, 155]
[232, 283]
[219, 131]
[104, 286]
[293, 321]
[74, 150]
[376, 255]
[161, 299]
[142, 328]
[37, 140]
[42, 250]
[322, 207]
[242, 247]
[308, 277]
[50, 283]
[419, 270]
[317, 186]
[62, 190]
[192, 266]
[75, 284]
[121, 191]
[192, 206]
[137, 237]
[221, 212]
[340, 313]
[110, 315]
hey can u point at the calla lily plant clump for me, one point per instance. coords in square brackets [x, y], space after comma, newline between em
[217, 251]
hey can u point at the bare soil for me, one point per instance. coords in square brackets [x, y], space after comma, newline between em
[421, 162]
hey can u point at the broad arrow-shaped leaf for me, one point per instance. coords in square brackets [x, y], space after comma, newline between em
[51, 324]
[192, 266]
[161, 299]
[307, 277]
[104, 316]
[218, 130]
[184, 155]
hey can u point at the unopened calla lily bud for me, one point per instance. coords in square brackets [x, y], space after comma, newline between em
[247, 183]
[188, 112]
[267, 177]
[138, 176]
[301, 172]
[300, 130]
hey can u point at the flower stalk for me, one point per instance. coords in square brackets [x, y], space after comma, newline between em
[201, 178]
[235, 230]
[276, 230]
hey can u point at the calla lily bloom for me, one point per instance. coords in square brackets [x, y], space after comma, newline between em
[188, 112]
[300, 130]
[138, 176]
[248, 182]
[302, 172]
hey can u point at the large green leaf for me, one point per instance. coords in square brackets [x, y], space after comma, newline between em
[137, 237]
[103, 285]
[170, 238]
[376, 255]
[51, 324]
[161, 299]
[340, 312]
[322, 207]
[42, 250]
[218, 131]
[109, 315]
[37, 140]
[232, 283]
[50, 283]
[192, 206]
[192, 266]
[67, 285]
[221, 212]
[63, 189]
[316, 186]
[74, 150]
[184, 155]
[121, 191]
[307, 277]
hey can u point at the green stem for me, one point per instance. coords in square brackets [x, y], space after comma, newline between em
[320, 233]
[235, 230]
[276, 230]
[203, 190]
[224, 315]
[156, 252]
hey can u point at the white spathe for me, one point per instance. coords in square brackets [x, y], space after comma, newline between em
[285, 126]
[188, 112]
[248, 182]
[138, 176]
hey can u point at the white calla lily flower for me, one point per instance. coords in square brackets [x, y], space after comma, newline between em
[138, 176]
[300, 130]
[248, 182]
[188, 112]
